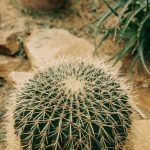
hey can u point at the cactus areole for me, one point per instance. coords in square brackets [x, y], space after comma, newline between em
[74, 105]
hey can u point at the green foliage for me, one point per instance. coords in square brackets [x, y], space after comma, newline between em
[73, 105]
[133, 28]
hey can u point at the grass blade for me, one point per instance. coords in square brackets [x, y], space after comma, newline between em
[111, 8]
[140, 51]
[126, 49]
[129, 20]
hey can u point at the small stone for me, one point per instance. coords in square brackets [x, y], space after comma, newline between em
[145, 84]
[46, 44]
[9, 44]
[43, 5]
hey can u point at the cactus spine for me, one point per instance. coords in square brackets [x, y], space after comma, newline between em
[71, 105]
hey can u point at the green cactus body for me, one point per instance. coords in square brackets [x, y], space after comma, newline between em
[73, 105]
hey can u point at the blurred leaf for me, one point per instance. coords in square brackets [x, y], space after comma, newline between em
[126, 49]
[140, 51]
[106, 35]
[142, 24]
[129, 19]
[102, 18]
[111, 8]
[133, 29]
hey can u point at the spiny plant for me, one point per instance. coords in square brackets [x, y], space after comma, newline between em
[132, 28]
[72, 104]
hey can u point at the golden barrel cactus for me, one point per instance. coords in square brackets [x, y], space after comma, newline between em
[72, 104]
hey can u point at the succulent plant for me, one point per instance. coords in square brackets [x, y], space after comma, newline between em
[75, 104]
[132, 29]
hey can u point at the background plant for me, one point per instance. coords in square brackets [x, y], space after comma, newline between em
[133, 28]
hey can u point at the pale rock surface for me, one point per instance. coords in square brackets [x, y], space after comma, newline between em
[46, 44]
[143, 100]
[142, 135]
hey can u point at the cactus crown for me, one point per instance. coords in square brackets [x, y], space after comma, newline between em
[72, 105]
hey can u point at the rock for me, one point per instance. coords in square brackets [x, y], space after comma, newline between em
[7, 64]
[9, 43]
[145, 84]
[143, 100]
[43, 5]
[142, 137]
[19, 77]
[46, 44]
